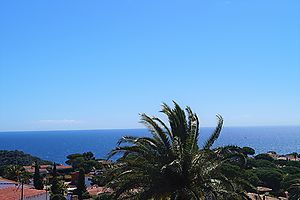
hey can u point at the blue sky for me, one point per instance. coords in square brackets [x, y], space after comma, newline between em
[97, 64]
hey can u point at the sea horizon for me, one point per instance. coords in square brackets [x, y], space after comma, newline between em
[57, 144]
[108, 129]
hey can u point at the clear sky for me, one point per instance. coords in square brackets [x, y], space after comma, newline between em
[97, 64]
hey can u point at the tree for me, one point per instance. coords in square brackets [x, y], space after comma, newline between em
[170, 164]
[264, 156]
[57, 187]
[248, 151]
[85, 160]
[270, 177]
[18, 158]
[80, 185]
[37, 178]
[260, 163]
[17, 173]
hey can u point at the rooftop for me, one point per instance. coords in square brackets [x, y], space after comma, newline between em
[43, 168]
[13, 193]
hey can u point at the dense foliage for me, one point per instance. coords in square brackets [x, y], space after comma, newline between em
[279, 175]
[87, 161]
[12, 162]
[18, 158]
[37, 178]
[16, 173]
[80, 185]
[57, 188]
[171, 164]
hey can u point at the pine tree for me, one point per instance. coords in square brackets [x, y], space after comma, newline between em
[37, 178]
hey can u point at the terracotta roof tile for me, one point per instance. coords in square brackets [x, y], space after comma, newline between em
[14, 193]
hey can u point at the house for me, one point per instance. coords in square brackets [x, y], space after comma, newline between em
[44, 168]
[291, 157]
[94, 190]
[15, 192]
[87, 179]
[5, 183]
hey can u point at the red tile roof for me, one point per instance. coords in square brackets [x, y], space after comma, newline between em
[43, 168]
[14, 193]
[98, 190]
[7, 180]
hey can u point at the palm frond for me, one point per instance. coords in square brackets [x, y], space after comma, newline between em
[215, 135]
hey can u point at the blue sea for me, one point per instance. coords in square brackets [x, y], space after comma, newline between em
[56, 145]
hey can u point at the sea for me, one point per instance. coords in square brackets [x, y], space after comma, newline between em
[56, 145]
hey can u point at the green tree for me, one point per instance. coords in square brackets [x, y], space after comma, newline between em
[260, 163]
[18, 158]
[248, 151]
[264, 156]
[57, 186]
[269, 177]
[80, 185]
[170, 164]
[37, 178]
[85, 160]
[17, 173]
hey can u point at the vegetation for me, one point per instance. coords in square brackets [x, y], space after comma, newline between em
[171, 164]
[37, 178]
[80, 186]
[19, 158]
[16, 173]
[279, 175]
[294, 189]
[57, 188]
[87, 161]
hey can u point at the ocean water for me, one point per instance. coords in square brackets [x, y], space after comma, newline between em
[56, 145]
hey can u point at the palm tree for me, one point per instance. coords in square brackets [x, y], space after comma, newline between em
[170, 164]
[17, 173]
